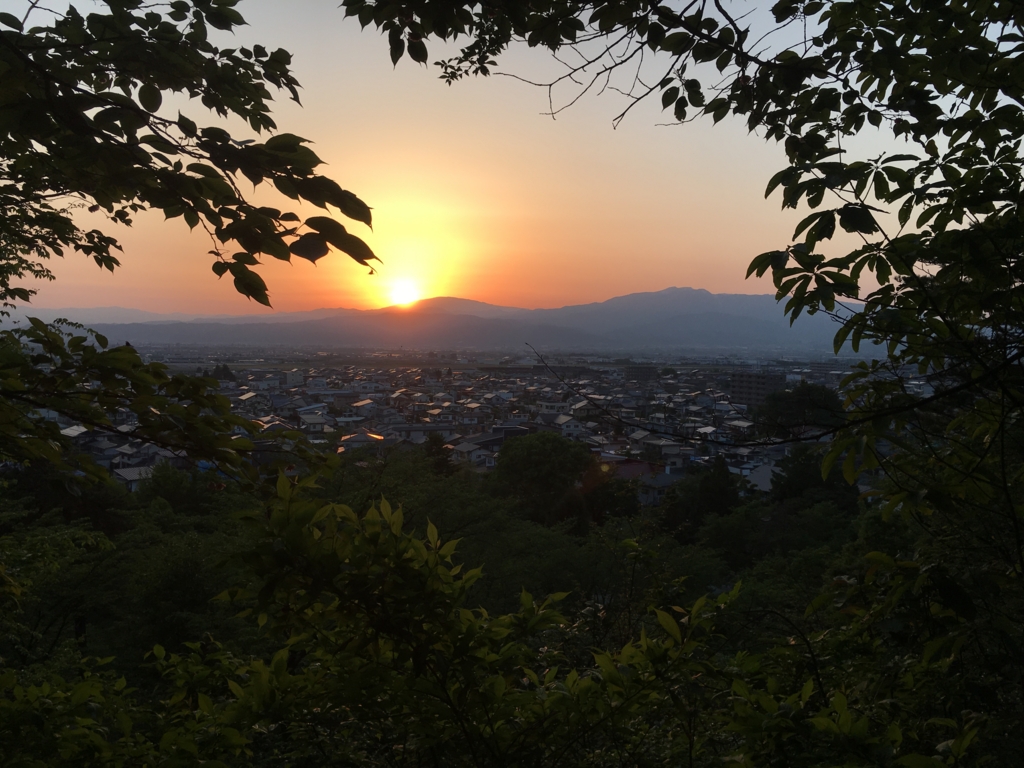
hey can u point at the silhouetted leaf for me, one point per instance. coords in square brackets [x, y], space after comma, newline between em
[418, 51]
[355, 248]
[857, 218]
[9, 20]
[150, 97]
[396, 43]
[249, 284]
[310, 246]
[284, 142]
[327, 227]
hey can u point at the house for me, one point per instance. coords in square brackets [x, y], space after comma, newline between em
[760, 479]
[569, 426]
[132, 477]
[361, 439]
[653, 488]
[636, 439]
[471, 453]
[586, 411]
[273, 423]
[365, 408]
[417, 433]
[312, 422]
[552, 407]
[253, 402]
[75, 432]
[740, 427]
[661, 446]
[440, 416]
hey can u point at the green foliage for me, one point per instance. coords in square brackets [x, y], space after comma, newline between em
[223, 373]
[807, 408]
[488, 520]
[541, 470]
[609, 497]
[441, 460]
[146, 578]
[698, 498]
[83, 125]
[380, 643]
[369, 642]
[797, 479]
[48, 371]
[188, 494]
[755, 530]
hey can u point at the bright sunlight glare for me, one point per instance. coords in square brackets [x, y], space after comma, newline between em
[404, 292]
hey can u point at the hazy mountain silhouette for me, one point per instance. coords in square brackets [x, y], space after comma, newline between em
[675, 318]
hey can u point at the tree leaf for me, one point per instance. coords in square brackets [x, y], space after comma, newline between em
[284, 142]
[857, 218]
[249, 284]
[396, 43]
[150, 97]
[418, 51]
[9, 20]
[309, 246]
[326, 226]
[669, 625]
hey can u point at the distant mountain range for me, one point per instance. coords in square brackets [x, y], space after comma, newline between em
[675, 318]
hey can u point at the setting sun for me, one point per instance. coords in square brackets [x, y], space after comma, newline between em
[404, 292]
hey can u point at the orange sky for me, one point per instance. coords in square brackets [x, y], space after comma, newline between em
[475, 193]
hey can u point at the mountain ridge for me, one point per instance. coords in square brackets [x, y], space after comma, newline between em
[680, 318]
[446, 304]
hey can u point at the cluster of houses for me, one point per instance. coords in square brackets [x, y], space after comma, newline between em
[644, 422]
[129, 459]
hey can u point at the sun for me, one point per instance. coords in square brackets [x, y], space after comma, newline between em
[404, 292]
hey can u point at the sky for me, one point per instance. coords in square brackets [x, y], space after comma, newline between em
[475, 191]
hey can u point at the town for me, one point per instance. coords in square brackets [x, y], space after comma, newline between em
[648, 421]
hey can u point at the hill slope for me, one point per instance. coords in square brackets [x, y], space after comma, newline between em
[675, 318]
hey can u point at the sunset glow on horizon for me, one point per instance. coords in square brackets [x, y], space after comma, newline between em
[475, 192]
[404, 292]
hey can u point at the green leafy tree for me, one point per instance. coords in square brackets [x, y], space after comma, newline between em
[223, 373]
[542, 471]
[797, 479]
[807, 409]
[515, 552]
[111, 573]
[440, 456]
[706, 494]
[83, 124]
[51, 371]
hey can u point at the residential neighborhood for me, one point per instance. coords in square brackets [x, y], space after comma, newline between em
[647, 422]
